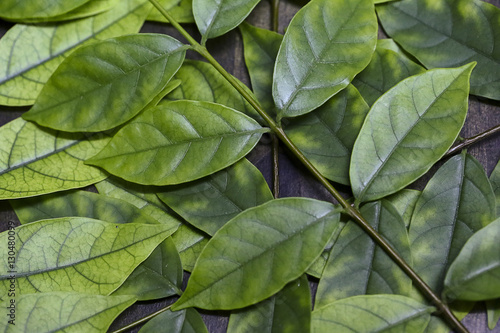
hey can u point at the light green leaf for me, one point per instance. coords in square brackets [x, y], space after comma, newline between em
[93, 7]
[85, 255]
[407, 130]
[29, 54]
[117, 78]
[287, 311]
[449, 33]
[374, 313]
[385, 70]
[357, 266]
[215, 18]
[184, 321]
[36, 9]
[457, 201]
[189, 242]
[493, 311]
[182, 12]
[35, 161]
[327, 135]
[495, 184]
[64, 312]
[179, 142]
[327, 43]
[404, 201]
[261, 48]
[276, 241]
[210, 202]
[474, 275]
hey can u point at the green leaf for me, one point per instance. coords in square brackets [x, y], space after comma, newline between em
[189, 242]
[210, 202]
[495, 184]
[404, 201]
[317, 267]
[182, 12]
[184, 321]
[474, 275]
[64, 312]
[29, 54]
[457, 201]
[93, 7]
[449, 33]
[36, 161]
[287, 311]
[276, 241]
[327, 43]
[117, 78]
[327, 135]
[493, 311]
[85, 255]
[215, 18]
[407, 130]
[357, 266]
[19, 10]
[179, 142]
[374, 313]
[385, 70]
[261, 48]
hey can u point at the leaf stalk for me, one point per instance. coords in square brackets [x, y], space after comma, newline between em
[472, 140]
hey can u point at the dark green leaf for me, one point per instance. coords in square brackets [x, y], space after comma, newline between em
[184, 321]
[34, 9]
[404, 201]
[327, 43]
[182, 12]
[407, 130]
[179, 142]
[495, 184]
[276, 241]
[493, 311]
[116, 78]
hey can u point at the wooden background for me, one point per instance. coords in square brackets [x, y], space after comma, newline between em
[294, 180]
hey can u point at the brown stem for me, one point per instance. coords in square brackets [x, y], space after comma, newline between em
[472, 140]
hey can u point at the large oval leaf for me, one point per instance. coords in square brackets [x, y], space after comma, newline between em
[475, 273]
[357, 266]
[184, 321]
[36, 9]
[374, 313]
[179, 142]
[117, 78]
[407, 130]
[276, 241]
[215, 18]
[327, 43]
[29, 54]
[64, 312]
[457, 201]
[210, 202]
[85, 255]
[449, 33]
[36, 161]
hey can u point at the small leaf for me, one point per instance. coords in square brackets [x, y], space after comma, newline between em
[19, 10]
[85, 255]
[404, 201]
[449, 33]
[117, 78]
[182, 12]
[374, 313]
[179, 142]
[474, 275]
[184, 321]
[210, 202]
[215, 18]
[493, 311]
[287, 311]
[407, 130]
[65, 312]
[457, 201]
[276, 241]
[327, 43]
[35, 161]
[495, 183]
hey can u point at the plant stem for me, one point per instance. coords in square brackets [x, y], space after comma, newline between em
[276, 144]
[142, 320]
[351, 211]
[275, 4]
[472, 140]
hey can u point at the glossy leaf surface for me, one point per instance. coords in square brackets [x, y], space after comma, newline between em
[474, 275]
[117, 78]
[407, 130]
[216, 17]
[29, 54]
[80, 247]
[29, 9]
[374, 313]
[357, 266]
[456, 202]
[327, 43]
[179, 142]
[210, 202]
[65, 312]
[404, 201]
[184, 321]
[287, 311]
[278, 239]
[36, 161]
[449, 33]
[327, 135]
